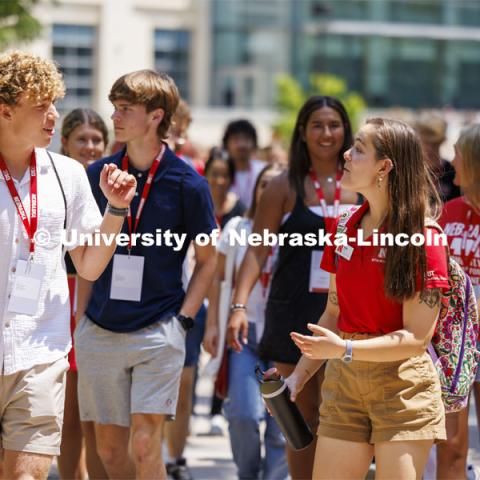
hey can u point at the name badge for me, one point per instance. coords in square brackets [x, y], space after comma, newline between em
[345, 251]
[319, 279]
[127, 277]
[26, 287]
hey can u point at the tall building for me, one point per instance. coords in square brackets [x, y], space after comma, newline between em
[414, 53]
[96, 41]
[225, 54]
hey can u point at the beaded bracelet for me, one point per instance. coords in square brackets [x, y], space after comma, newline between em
[117, 212]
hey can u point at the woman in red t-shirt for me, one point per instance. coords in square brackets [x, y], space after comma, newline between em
[382, 306]
[461, 223]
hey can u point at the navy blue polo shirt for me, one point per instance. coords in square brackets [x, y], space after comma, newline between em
[179, 201]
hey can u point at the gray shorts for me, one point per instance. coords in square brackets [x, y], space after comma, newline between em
[124, 373]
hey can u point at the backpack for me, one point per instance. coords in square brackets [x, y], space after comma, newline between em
[453, 347]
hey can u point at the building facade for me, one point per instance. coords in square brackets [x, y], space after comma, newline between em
[414, 53]
[96, 41]
[225, 54]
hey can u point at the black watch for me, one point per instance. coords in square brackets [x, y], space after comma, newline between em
[187, 322]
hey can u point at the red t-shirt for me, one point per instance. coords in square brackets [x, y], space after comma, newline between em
[363, 304]
[461, 224]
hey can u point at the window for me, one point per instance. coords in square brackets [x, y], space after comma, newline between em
[414, 11]
[172, 56]
[74, 52]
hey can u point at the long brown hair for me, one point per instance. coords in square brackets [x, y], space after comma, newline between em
[412, 197]
[253, 208]
[298, 157]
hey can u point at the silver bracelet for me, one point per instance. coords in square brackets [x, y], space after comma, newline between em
[237, 306]
[117, 212]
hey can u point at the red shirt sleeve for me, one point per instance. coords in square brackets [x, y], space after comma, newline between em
[437, 268]
[329, 263]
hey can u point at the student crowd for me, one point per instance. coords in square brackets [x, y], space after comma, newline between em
[348, 329]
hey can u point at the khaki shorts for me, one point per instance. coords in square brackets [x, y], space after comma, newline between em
[124, 373]
[31, 408]
[382, 401]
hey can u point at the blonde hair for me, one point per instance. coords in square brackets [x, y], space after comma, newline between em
[151, 89]
[432, 127]
[22, 72]
[468, 144]
[182, 118]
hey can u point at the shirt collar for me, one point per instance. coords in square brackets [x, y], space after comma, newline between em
[162, 168]
[43, 164]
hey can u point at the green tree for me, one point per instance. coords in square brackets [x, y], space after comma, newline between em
[290, 96]
[17, 24]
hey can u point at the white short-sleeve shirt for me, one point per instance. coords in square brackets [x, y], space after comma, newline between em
[29, 340]
[244, 182]
[257, 299]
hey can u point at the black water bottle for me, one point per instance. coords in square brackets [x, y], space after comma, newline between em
[276, 395]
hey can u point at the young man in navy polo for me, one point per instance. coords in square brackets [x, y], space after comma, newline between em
[131, 343]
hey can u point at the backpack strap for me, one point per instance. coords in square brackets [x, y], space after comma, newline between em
[431, 223]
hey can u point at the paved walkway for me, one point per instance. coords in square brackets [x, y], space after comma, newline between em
[209, 457]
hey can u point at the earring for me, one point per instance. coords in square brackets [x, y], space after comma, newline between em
[379, 182]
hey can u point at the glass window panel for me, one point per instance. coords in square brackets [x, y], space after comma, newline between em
[415, 11]
[73, 48]
[172, 56]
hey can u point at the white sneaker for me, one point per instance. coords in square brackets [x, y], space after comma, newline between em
[216, 426]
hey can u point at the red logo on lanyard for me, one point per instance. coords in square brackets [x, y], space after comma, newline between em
[145, 193]
[321, 197]
[30, 227]
[266, 273]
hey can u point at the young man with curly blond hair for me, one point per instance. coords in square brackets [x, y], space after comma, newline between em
[136, 320]
[41, 194]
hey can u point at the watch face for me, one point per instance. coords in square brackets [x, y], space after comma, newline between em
[187, 322]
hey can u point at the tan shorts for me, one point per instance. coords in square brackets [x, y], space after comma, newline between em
[382, 401]
[31, 408]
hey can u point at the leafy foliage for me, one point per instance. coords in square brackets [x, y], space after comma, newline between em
[17, 24]
[290, 97]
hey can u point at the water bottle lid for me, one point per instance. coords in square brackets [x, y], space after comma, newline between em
[276, 392]
[271, 386]
[260, 374]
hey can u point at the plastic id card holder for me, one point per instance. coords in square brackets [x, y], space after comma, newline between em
[127, 277]
[26, 287]
[319, 279]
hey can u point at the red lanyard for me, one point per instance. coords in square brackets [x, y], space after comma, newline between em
[30, 226]
[145, 192]
[267, 272]
[321, 196]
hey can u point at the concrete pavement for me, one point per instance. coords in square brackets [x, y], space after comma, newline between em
[209, 457]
